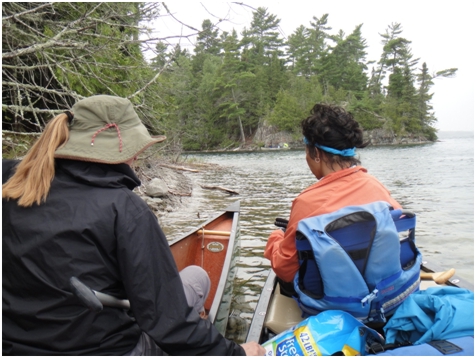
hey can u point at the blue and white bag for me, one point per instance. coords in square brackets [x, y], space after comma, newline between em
[325, 334]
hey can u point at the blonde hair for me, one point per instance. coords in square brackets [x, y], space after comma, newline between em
[33, 176]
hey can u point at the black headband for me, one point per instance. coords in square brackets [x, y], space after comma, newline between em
[70, 117]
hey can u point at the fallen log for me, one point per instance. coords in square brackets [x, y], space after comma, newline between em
[229, 191]
[180, 168]
[176, 193]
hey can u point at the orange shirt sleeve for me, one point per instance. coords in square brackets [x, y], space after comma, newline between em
[281, 247]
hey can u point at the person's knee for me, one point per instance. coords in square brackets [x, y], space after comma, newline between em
[196, 284]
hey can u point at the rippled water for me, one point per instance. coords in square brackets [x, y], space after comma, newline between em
[436, 181]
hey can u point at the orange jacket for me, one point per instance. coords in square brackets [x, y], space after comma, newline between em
[352, 186]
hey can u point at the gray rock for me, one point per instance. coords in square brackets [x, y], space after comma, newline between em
[154, 203]
[156, 188]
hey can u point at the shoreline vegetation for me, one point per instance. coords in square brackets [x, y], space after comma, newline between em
[231, 89]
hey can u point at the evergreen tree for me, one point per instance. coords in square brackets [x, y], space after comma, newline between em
[231, 89]
[162, 57]
[425, 81]
[344, 66]
[208, 40]
[298, 49]
[293, 103]
[317, 42]
[263, 39]
[397, 59]
[392, 32]
[261, 56]
[425, 109]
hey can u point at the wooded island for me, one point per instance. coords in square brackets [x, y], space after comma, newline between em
[220, 93]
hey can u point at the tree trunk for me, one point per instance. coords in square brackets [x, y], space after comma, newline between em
[243, 140]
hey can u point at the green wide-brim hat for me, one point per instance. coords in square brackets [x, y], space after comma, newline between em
[106, 129]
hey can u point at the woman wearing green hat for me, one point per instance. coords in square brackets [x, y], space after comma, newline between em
[69, 210]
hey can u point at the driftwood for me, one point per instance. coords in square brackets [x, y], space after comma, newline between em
[176, 193]
[179, 168]
[229, 191]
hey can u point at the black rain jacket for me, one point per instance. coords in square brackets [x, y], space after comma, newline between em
[94, 227]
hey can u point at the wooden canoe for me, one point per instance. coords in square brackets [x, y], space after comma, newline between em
[275, 312]
[214, 246]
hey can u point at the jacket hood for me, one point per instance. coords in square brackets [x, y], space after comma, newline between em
[97, 174]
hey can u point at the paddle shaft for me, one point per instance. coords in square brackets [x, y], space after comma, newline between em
[95, 300]
[111, 301]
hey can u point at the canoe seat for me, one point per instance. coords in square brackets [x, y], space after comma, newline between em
[283, 312]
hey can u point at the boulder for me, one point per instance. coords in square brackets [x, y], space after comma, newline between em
[156, 188]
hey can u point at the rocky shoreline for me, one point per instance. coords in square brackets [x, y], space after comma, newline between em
[165, 187]
[268, 136]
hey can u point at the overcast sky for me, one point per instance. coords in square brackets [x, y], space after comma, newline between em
[442, 35]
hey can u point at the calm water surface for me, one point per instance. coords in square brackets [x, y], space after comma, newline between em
[436, 181]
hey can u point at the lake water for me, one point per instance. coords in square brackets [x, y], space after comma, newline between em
[436, 181]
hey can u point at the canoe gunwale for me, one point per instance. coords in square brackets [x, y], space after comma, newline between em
[227, 264]
[232, 212]
[257, 323]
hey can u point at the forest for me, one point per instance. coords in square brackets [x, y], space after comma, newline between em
[219, 93]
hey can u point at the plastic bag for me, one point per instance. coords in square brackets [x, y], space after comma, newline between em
[324, 334]
[436, 313]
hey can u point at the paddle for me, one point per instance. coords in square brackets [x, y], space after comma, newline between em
[280, 222]
[438, 277]
[95, 300]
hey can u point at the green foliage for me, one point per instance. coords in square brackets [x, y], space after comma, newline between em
[219, 95]
[16, 145]
[294, 104]
[58, 52]
[287, 114]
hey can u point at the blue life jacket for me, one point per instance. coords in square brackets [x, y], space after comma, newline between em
[354, 260]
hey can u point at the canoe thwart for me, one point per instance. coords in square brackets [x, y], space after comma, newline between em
[213, 232]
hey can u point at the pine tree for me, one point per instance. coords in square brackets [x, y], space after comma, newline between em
[317, 42]
[397, 60]
[208, 40]
[425, 109]
[298, 51]
[231, 90]
[344, 66]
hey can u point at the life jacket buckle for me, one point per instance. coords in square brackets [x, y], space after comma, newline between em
[382, 315]
[369, 298]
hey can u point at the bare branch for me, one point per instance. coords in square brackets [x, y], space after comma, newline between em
[16, 16]
[148, 84]
[180, 22]
[29, 109]
[56, 53]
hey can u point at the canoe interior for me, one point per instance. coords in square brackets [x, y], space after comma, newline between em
[213, 246]
[275, 312]
[205, 250]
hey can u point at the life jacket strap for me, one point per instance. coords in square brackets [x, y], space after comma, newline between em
[376, 347]
[306, 255]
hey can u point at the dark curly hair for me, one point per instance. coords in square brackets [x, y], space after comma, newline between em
[333, 127]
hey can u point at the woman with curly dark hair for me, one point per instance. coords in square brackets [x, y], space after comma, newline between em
[331, 136]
